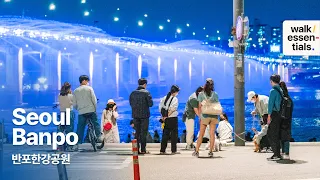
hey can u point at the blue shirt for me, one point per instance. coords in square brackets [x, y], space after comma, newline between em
[213, 98]
[274, 99]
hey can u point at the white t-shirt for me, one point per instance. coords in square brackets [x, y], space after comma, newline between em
[173, 106]
[225, 130]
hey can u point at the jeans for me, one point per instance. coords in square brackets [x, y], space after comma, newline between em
[82, 122]
[141, 126]
[285, 147]
[68, 128]
[170, 128]
[274, 133]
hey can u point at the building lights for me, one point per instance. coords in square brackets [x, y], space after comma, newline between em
[86, 13]
[161, 27]
[188, 24]
[140, 23]
[115, 19]
[178, 30]
[168, 20]
[145, 15]
[194, 33]
[83, 1]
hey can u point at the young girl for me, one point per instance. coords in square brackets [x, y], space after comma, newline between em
[109, 126]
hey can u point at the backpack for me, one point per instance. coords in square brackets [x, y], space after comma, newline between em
[285, 106]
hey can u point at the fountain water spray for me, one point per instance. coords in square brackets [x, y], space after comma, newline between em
[190, 71]
[59, 70]
[175, 70]
[159, 66]
[91, 68]
[20, 74]
[139, 66]
[117, 73]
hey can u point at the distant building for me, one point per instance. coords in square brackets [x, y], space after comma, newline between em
[276, 40]
[258, 38]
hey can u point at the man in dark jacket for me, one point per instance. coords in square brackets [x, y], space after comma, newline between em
[140, 102]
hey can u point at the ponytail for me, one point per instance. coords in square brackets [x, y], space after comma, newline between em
[167, 98]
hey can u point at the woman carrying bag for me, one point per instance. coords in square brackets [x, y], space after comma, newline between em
[209, 109]
[109, 125]
[168, 109]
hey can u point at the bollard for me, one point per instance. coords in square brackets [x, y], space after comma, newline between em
[62, 170]
[136, 171]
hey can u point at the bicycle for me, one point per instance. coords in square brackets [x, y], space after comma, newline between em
[91, 131]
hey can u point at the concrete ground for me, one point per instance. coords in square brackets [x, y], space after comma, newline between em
[241, 163]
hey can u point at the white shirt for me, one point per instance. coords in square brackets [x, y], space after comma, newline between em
[173, 106]
[225, 130]
[261, 107]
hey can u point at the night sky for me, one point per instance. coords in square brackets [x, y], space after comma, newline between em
[212, 14]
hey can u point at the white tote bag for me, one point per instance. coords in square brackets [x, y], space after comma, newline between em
[210, 108]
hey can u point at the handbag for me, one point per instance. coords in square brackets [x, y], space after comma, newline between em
[107, 126]
[210, 108]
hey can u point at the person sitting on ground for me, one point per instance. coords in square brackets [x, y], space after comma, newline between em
[259, 135]
[109, 125]
[224, 130]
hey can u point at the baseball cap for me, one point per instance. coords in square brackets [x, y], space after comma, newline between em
[111, 101]
[209, 80]
[250, 95]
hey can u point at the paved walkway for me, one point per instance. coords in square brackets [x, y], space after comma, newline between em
[241, 163]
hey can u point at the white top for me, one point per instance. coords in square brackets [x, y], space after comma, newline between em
[225, 130]
[261, 107]
[65, 102]
[173, 106]
[109, 116]
[263, 131]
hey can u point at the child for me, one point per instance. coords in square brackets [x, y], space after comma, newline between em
[109, 126]
[259, 135]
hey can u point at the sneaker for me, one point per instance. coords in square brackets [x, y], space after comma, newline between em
[195, 153]
[210, 154]
[286, 157]
[175, 153]
[162, 153]
[274, 158]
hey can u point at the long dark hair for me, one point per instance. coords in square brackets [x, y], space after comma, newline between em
[173, 89]
[209, 87]
[284, 88]
[225, 116]
[199, 89]
[65, 89]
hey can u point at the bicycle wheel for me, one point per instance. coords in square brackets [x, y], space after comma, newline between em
[92, 138]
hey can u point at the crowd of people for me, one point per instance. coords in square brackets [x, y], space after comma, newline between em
[275, 114]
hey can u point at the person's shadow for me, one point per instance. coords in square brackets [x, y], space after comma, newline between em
[290, 161]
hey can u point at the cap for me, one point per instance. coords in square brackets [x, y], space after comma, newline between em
[250, 95]
[209, 80]
[111, 101]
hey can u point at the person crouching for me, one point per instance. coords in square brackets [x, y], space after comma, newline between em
[259, 135]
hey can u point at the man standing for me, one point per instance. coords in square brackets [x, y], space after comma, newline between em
[274, 118]
[190, 112]
[85, 102]
[140, 102]
[260, 104]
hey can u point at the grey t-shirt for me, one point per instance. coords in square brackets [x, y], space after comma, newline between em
[84, 100]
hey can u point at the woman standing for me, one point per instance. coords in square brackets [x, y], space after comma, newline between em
[208, 95]
[168, 108]
[65, 102]
[109, 126]
[285, 127]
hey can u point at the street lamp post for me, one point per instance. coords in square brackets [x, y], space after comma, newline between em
[239, 47]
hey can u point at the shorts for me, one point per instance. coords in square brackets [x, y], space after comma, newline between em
[207, 121]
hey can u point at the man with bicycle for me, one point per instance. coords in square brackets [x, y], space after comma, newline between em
[85, 102]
